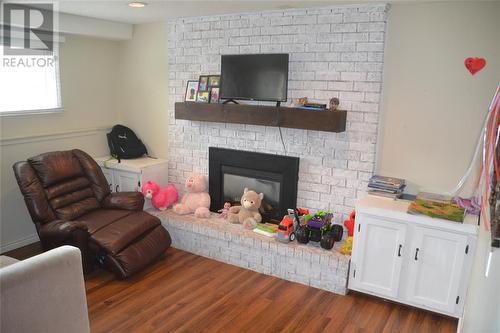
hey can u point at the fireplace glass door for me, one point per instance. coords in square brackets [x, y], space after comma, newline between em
[235, 180]
[230, 171]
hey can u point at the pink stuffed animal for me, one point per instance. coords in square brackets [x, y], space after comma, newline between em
[161, 198]
[196, 200]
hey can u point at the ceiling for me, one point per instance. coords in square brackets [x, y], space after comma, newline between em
[156, 10]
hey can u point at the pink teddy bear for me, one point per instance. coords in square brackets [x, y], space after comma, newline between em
[197, 199]
[161, 198]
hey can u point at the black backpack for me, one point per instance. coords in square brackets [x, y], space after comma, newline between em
[123, 143]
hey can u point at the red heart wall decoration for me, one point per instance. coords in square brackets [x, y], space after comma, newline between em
[474, 65]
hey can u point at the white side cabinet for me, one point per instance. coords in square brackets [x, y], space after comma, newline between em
[129, 175]
[416, 260]
[378, 258]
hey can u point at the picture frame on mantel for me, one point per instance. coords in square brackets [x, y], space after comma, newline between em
[214, 81]
[203, 83]
[191, 91]
[214, 95]
[203, 97]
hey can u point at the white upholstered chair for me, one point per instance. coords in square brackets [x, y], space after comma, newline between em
[45, 293]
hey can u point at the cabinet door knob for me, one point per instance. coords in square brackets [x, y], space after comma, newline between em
[117, 187]
[416, 253]
[399, 250]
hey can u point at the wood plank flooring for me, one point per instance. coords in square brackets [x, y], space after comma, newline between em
[183, 292]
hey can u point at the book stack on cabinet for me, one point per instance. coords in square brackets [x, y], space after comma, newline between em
[388, 187]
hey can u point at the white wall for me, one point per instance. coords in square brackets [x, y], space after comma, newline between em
[143, 86]
[433, 109]
[432, 114]
[88, 78]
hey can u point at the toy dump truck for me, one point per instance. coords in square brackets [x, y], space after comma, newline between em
[287, 229]
[288, 226]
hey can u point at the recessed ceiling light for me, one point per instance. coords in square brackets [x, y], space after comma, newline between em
[137, 4]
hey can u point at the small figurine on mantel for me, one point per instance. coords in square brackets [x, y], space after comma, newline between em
[225, 210]
[296, 103]
[302, 101]
[334, 104]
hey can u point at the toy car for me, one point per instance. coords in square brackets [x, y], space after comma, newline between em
[288, 226]
[320, 229]
[286, 230]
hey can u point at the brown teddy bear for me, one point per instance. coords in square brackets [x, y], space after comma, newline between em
[248, 213]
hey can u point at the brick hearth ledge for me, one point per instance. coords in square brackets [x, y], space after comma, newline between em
[218, 239]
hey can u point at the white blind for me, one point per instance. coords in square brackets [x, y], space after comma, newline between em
[29, 83]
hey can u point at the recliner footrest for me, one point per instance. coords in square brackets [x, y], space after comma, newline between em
[139, 254]
[117, 236]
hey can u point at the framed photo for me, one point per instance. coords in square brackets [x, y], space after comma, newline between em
[214, 95]
[203, 83]
[214, 81]
[203, 97]
[191, 91]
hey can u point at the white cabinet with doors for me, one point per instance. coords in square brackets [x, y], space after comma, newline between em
[435, 268]
[129, 175]
[378, 257]
[416, 260]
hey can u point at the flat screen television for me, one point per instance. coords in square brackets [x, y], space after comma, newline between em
[259, 77]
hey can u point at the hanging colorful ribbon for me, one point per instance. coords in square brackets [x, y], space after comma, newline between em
[490, 142]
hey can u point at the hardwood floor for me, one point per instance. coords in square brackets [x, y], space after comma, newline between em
[187, 293]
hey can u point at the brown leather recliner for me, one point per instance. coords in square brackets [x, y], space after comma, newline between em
[70, 203]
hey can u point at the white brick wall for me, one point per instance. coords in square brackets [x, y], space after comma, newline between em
[334, 52]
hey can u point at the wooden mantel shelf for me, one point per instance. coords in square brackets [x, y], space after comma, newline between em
[328, 121]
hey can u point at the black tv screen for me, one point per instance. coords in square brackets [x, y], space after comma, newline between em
[259, 77]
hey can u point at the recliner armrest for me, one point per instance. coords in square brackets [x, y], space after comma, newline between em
[124, 200]
[59, 230]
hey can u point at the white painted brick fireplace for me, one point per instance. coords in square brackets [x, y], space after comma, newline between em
[334, 52]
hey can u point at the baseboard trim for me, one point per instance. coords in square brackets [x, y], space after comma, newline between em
[19, 243]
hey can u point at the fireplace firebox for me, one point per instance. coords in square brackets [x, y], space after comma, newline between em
[230, 171]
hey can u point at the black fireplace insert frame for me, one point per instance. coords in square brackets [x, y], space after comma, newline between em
[256, 165]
